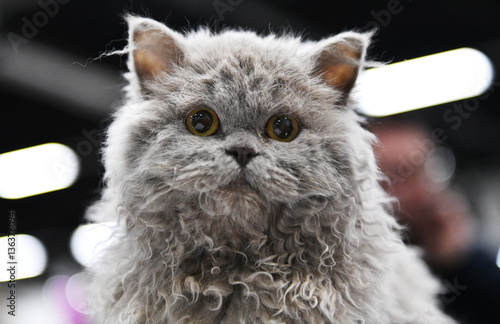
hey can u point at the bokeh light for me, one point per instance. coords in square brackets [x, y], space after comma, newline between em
[29, 258]
[36, 170]
[423, 82]
[89, 240]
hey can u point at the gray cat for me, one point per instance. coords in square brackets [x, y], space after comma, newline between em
[246, 191]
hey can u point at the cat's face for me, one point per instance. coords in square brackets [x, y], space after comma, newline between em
[234, 115]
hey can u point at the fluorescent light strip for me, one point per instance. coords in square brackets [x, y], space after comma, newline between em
[423, 82]
[89, 240]
[29, 257]
[36, 170]
[498, 258]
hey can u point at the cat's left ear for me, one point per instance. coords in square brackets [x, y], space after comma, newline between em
[154, 48]
[339, 59]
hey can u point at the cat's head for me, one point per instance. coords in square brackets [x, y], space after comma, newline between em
[235, 118]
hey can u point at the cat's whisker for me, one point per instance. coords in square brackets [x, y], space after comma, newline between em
[174, 177]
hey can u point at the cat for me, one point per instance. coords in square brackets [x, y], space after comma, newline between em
[245, 189]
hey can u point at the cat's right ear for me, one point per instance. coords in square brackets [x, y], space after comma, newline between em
[154, 49]
[339, 59]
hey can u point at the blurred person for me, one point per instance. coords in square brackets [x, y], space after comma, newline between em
[438, 219]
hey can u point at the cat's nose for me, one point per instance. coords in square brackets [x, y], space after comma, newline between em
[242, 154]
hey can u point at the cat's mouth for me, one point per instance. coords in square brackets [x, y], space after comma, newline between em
[241, 180]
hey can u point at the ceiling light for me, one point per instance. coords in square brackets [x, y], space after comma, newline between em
[89, 240]
[36, 170]
[423, 82]
[28, 258]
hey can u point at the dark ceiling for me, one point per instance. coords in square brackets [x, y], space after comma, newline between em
[53, 87]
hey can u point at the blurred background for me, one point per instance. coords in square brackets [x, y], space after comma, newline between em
[55, 87]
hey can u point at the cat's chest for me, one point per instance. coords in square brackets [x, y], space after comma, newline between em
[252, 297]
[246, 306]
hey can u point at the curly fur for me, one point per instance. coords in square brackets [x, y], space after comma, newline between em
[307, 237]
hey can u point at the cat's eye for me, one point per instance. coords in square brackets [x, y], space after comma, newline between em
[282, 128]
[202, 122]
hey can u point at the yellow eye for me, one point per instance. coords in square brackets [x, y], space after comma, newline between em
[202, 122]
[282, 128]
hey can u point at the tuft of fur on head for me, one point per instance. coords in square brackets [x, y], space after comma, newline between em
[301, 234]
